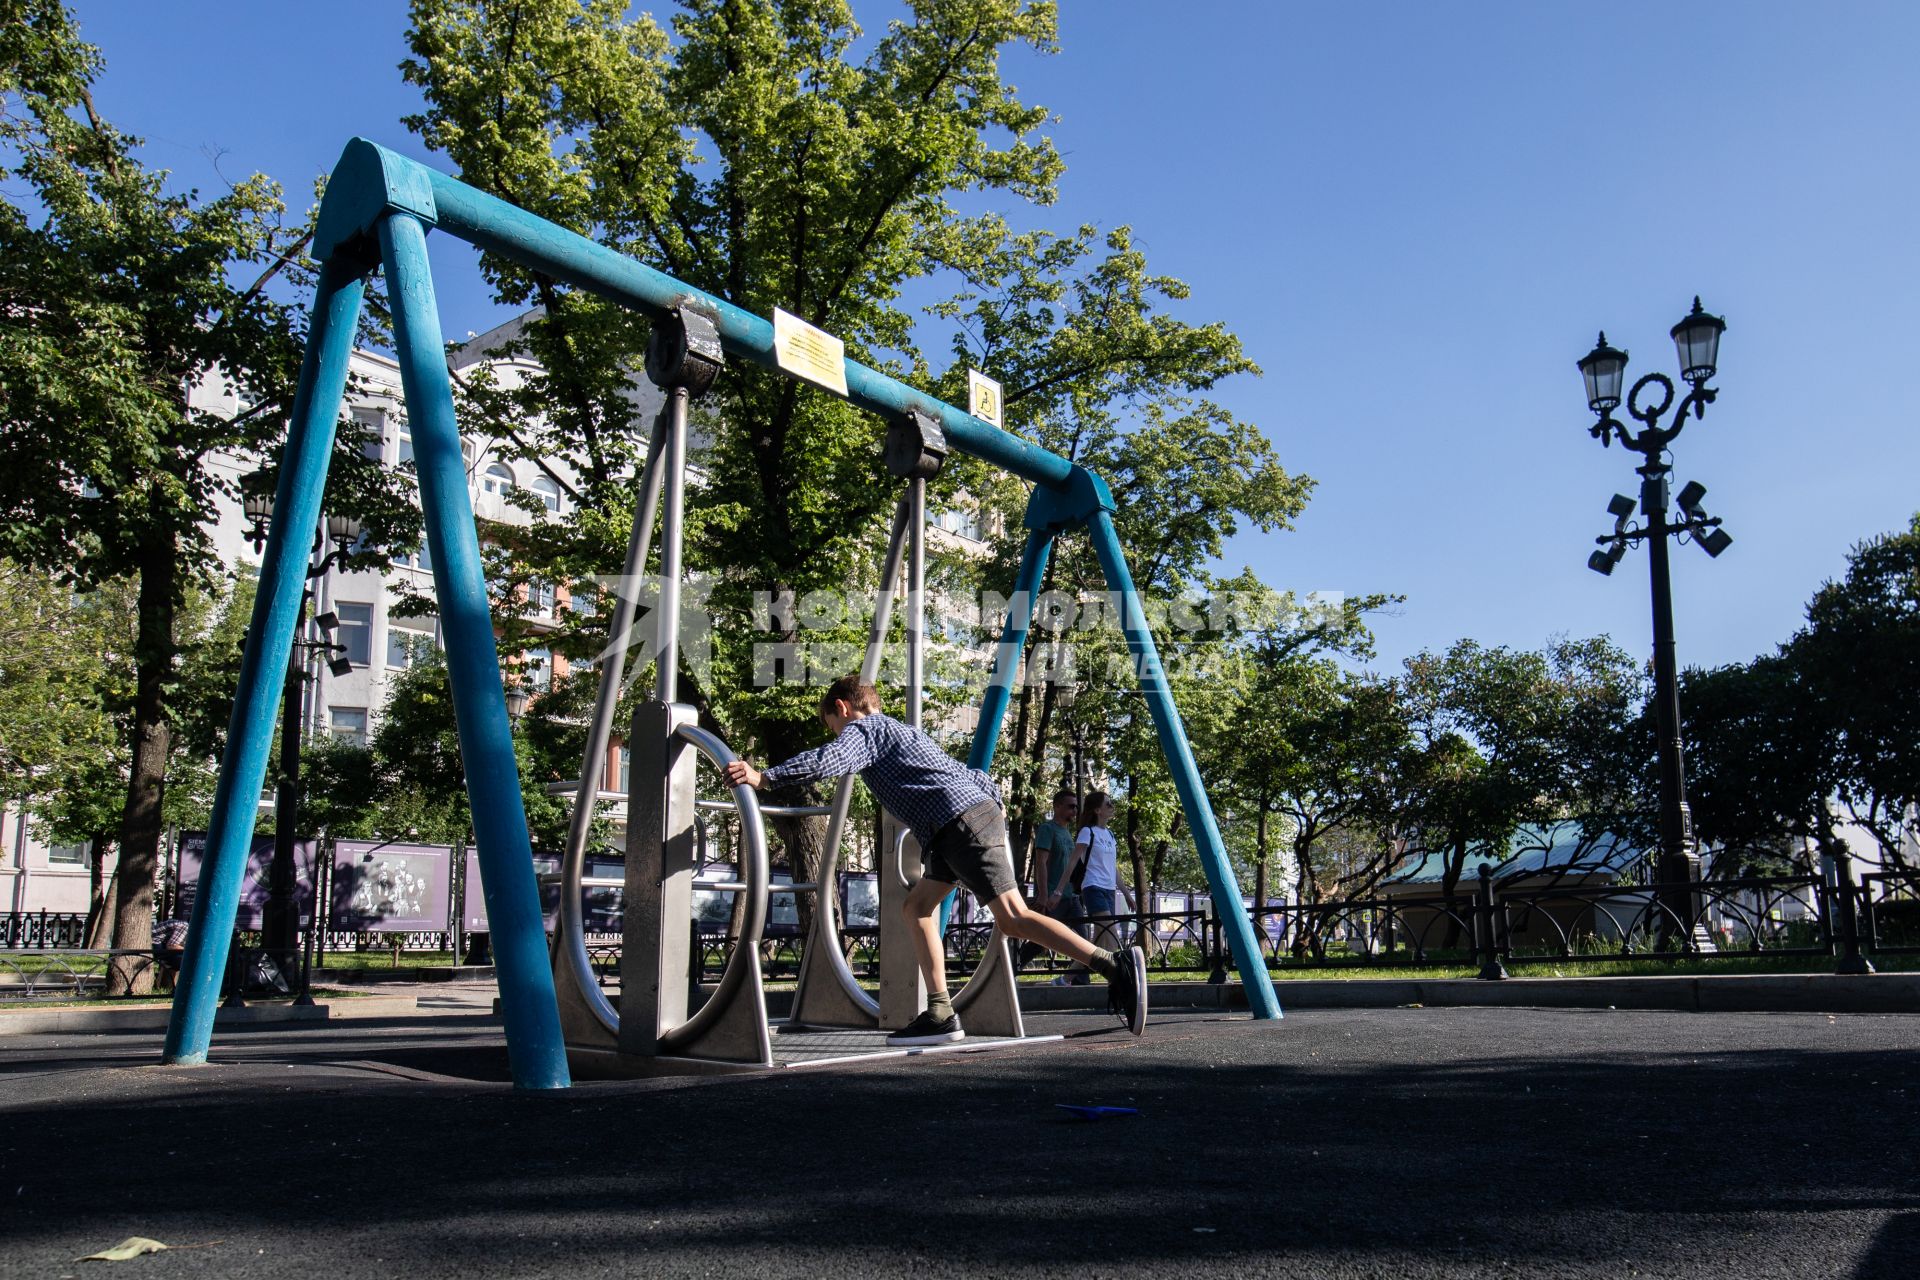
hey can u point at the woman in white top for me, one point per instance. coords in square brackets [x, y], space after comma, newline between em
[1094, 845]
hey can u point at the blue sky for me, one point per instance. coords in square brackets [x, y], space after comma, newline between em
[1417, 217]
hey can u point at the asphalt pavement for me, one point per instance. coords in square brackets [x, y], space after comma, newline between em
[1341, 1143]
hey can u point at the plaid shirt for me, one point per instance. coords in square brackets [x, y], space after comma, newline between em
[911, 777]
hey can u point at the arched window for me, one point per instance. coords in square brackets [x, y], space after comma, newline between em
[498, 479]
[549, 490]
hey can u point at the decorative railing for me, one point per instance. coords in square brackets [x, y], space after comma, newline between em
[38, 930]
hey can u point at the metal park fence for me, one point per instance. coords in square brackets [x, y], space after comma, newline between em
[1494, 928]
[1484, 926]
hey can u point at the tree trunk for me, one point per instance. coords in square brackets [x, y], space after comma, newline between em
[100, 912]
[152, 742]
[1036, 781]
[1307, 926]
[1028, 782]
[1449, 886]
[1260, 863]
[1138, 858]
[1019, 822]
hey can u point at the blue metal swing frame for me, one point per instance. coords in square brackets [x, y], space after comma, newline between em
[376, 213]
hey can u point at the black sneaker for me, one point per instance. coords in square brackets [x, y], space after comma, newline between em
[1127, 989]
[927, 1029]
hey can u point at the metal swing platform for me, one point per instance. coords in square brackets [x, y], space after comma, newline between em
[809, 1048]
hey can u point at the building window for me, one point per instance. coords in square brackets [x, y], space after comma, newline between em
[421, 559]
[348, 724]
[355, 632]
[549, 490]
[540, 598]
[374, 421]
[580, 601]
[540, 669]
[69, 855]
[409, 643]
[405, 433]
[498, 479]
[961, 524]
[626, 769]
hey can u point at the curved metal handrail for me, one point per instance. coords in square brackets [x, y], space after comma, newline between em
[756, 873]
[773, 810]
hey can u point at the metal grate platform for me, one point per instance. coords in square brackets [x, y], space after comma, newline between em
[825, 1048]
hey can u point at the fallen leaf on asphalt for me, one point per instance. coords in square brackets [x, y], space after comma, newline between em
[131, 1247]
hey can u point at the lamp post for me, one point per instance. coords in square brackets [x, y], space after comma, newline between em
[1697, 340]
[280, 922]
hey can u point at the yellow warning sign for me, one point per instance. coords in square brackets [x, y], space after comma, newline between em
[810, 353]
[983, 398]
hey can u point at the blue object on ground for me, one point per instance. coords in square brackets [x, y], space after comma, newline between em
[1095, 1113]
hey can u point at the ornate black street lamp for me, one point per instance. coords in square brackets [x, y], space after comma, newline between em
[280, 921]
[1697, 340]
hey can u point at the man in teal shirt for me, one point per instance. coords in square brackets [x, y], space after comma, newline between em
[1056, 890]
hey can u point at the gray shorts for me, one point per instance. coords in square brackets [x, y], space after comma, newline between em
[972, 850]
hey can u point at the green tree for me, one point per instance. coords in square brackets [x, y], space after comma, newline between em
[1508, 738]
[119, 297]
[1763, 761]
[56, 649]
[62, 680]
[757, 156]
[1337, 740]
[1858, 659]
[67, 680]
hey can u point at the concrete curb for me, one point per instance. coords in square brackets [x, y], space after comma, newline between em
[23, 1022]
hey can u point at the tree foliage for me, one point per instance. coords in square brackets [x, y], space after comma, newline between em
[118, 297]
[773, 154]
[1511, 738]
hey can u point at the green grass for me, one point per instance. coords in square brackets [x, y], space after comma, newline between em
[384, 959]
[36, 965]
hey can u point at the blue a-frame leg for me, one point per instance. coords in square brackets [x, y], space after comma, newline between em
[1084, 502]
[514, 919]
[534, 1044]
[263, 664]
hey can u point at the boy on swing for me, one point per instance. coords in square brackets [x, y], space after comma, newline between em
[955, 813]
